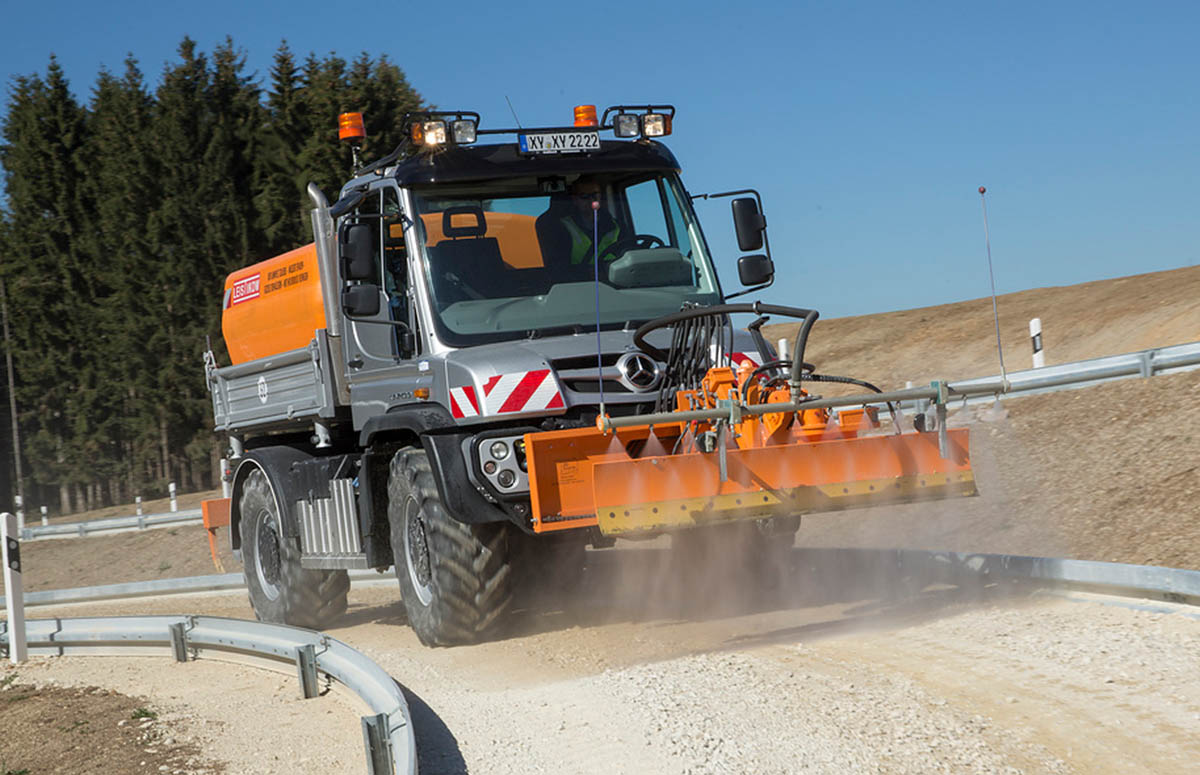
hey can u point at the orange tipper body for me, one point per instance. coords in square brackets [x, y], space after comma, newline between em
[273, 306]
[640, 480]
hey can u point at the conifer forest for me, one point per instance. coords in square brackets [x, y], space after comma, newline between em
[125, 204]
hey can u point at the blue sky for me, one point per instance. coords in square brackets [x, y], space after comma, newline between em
[867, 126]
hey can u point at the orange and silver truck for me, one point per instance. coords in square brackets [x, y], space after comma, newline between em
[496, 354]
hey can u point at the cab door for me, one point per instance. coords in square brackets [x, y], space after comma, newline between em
[374, 304]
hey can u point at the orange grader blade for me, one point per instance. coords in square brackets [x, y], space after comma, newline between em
[581, 477]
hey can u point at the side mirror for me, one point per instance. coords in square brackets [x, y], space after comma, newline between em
[361, 301]
[749, 224]
[756, 269]
[358, 252]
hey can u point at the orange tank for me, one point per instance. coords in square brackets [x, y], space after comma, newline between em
[273, 306]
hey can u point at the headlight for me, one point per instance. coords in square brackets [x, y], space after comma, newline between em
[626, 125]
[464, 131]
[429, 132]
[506, 478]
[656, 125]
[499, 450]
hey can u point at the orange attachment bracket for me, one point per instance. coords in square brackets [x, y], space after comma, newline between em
[216, 515]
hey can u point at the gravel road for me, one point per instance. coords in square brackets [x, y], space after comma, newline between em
[841, 675]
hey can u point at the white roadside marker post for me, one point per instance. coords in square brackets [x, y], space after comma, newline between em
[14, 593]
[226, 488]
[138, 502]
[174, 503]
[20, 513]
[45, 517]
[1035, 336]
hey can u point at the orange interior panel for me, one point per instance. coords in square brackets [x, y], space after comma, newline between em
[516, 233]
[273, 306]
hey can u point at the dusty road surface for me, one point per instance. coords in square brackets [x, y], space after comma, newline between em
[833, 669]
[830, 670]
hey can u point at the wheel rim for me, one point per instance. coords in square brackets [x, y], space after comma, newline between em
[416, 553]
[266, 555]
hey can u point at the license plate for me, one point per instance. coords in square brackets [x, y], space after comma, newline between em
[559, 142]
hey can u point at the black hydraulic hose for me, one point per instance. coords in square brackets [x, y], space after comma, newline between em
[639, 337]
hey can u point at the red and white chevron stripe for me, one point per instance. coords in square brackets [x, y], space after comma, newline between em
[463, 402]
[522, 391]
[738, 358]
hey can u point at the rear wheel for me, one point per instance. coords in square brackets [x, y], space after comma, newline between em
[455, 579]
[280, 590]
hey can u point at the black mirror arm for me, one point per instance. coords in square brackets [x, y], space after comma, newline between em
[755, 289]
[396, 323]
[766, 239]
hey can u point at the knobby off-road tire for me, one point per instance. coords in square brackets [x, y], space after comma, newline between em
[455, 579]
[280, 590]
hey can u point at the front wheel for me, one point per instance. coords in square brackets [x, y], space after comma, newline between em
[280, 590]
[455, 579]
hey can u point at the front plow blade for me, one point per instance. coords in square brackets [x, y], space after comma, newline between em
[685, 490]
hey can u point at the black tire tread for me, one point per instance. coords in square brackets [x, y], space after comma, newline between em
[471, 573]
[307, 598]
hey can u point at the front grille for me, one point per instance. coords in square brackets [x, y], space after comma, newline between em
[579, 375]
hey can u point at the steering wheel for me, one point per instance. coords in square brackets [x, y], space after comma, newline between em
[639, 241]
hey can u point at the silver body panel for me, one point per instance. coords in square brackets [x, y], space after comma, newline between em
[289, 387]
[329, 534]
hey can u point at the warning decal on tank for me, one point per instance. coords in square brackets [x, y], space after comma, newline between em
[245, 289]
[522, 391]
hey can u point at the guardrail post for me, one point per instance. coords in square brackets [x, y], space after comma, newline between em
[1146, 363]
[14, 591]
[174, 503]
[378, 744]
[82, 529]
[178, 632]
[306, 667]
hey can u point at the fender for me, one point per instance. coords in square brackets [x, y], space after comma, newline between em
[413, 419]
[274, 462]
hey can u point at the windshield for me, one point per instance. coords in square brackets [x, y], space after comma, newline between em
[517, 257]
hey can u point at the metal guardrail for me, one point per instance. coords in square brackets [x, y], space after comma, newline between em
[34, 532]
[387, 733]
[1149, 582]
[1145, 363]
[222, 582]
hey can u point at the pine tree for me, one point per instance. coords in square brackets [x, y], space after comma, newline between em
[52, 289]
[125, 191]
[280, 201]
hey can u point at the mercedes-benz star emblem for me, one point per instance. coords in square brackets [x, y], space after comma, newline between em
[639, 372]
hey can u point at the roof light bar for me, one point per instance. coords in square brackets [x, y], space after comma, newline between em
[433, 129]
[639, 120]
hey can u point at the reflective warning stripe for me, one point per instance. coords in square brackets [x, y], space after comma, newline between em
[738, 358]
[522, 391]
[463, 403]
